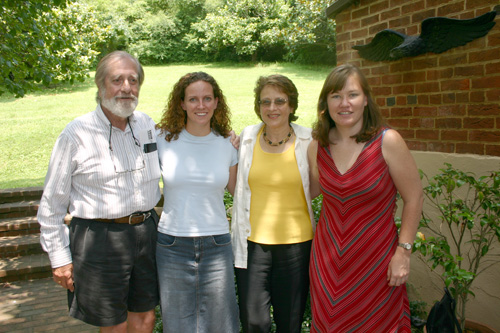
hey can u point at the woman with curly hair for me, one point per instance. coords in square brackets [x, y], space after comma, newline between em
[194, 256]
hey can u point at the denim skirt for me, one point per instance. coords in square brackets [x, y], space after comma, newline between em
[196, 278]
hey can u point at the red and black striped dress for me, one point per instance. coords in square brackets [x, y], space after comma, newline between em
[354, 242]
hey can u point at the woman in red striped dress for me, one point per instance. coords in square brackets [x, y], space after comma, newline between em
[359, 263]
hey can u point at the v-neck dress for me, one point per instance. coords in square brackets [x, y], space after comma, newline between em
[354, 242]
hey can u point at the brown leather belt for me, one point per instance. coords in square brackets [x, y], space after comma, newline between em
[134, 218]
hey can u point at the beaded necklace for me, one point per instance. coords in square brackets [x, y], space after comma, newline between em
[275, 144]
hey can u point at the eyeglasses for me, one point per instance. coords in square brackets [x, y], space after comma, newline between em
[278, 102]
[137, 165]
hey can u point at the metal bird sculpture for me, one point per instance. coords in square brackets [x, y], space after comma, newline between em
[438, 35]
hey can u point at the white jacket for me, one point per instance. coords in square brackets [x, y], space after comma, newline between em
[240, 223]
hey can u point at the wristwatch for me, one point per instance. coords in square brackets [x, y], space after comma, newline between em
[406, 246]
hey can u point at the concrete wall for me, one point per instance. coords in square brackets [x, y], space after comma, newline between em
[425, 284]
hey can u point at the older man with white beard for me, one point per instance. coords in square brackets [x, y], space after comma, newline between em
[104, 171]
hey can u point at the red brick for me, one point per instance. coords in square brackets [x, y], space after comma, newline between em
[437, 74]
[380, 101]
[412, 7]
[442, 147]
[377, 28]
[463, 84]
[402, 21]
[380, 70]
[477, 96]
[435, 99]
[452, 60]
[425, 111]
[428, 87]
[484, 136]
[401, 112]
[427, 134]
[385, 112]
[398, 123]
[493, 39]
[452, 135]
[449, 123]
[470, 148]
[449, 98]
[363, 33]
[416, 145]
[492, 68]
[485, 82]
[381, 91]
[493, 150]
[492, 54]
[493, 95]
[414, 77]
[484, 110]
[422, 122]
[418, 17]
[343, 37]
[378, 7]
[389, 14]
[391, 79]
[352, 25]
[479, 122]
[423, 99]
[452, 110]
[403, 89]
[450, 9]
[374, 81]
[343, 58]
[360, 13]
[368, 21]
[401, 100]
[401, 66]
[424, 63]
[436, 3]
[407, 134]
[462, 97]
[477, 70]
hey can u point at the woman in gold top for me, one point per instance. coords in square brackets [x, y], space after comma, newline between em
[273, 222]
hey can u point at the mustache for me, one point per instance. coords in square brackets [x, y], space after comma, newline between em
[125, 97]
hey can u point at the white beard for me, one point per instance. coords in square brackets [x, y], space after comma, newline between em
[119, 107]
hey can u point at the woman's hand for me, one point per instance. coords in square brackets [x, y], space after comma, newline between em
[399, 268]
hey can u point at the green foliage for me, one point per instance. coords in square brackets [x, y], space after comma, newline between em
[46, 42]
[468, 226]
[310, 36]
[246, 28]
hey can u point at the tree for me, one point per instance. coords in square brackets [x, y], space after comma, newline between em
[310, 36]
[247, 28]
[45, 42]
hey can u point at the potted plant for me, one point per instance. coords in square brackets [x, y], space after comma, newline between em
[467, 225]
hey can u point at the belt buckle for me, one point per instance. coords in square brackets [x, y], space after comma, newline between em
[145, 216]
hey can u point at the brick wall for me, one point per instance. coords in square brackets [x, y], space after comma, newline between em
[446, 102]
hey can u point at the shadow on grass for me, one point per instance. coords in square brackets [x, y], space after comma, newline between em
[53, 89]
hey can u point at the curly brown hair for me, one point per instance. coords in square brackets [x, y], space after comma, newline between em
[335, 81]
[285, 85]
[174, 118]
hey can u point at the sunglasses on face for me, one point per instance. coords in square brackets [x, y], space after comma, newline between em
[277, 102]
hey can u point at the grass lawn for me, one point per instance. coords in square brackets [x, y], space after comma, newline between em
[31, 125]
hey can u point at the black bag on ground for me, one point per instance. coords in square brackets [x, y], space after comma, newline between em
[442, 317]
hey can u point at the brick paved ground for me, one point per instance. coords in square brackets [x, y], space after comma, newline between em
[37, 306]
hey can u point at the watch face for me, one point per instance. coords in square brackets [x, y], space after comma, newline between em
[405, 246]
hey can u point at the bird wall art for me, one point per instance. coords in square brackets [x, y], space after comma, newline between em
[438, 35]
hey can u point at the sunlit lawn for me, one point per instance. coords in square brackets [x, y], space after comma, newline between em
[30, 125]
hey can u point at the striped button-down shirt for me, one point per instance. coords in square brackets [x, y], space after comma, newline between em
[97, 171]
